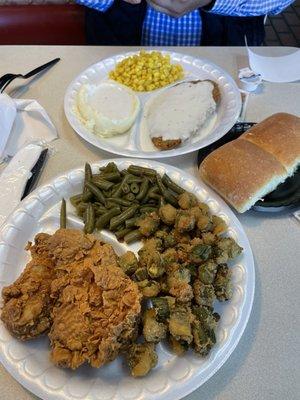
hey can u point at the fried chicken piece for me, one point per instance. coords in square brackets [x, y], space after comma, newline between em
[97, 306]
[27, 302]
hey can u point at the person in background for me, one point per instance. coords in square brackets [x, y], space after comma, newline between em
[178, 22]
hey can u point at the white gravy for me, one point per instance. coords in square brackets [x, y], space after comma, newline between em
[180, 111]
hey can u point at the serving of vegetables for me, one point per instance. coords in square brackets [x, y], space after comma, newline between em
[182, 266]
[116, 200]
[147, 71]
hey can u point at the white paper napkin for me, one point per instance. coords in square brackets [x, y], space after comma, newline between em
[14, 178]
[23, 122]
[25, 129]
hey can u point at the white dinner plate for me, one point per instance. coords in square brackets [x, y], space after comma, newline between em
[135, 143]
[174, 377]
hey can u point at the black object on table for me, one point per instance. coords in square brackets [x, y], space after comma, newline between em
[35, 173]
[287, 194]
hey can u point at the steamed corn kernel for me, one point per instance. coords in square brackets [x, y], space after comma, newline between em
[147, 71]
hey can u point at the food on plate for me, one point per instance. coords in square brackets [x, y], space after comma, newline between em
[27, 306]
[246, 169]
[280, 136]
[115, 200]
[147, 71]
[180, 112]
[107, 109]
[96, 305]
[182, 267]
[141, 358]
[90, 306]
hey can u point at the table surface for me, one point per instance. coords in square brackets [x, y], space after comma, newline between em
[265, 364]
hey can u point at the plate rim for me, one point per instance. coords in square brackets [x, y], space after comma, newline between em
[141, 154]
[192, 384]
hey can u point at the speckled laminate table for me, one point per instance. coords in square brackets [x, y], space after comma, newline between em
[266, 363]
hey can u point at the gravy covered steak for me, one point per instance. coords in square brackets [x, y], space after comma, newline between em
[180, 112]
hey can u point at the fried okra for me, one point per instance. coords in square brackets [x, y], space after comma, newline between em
[227, 249]
[148, 224]
[179, 284]
[162, 307]
[180, 324]
[222, 283]
[153, 330]
[187, 200]
[184, 222]
[207, 272]
[149, 288]
[179, 347]
[141, 358]
[128, 262]
[204, 295]
[204, 338]
[152, 261]
[167, 214]
[200, 253]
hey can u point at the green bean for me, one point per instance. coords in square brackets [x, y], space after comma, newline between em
[153, 189]
[115, 188]
[107, 193]
[134, 188]
[170, 198]
[143, 189]
[129, 223]
[102, 184]
[122, 232]
[133, 236]
[118, 192]
[141, 171]
[125, 188]
[110, 176]
[80, 209]
[74, 200]
[89, 225]
[172, 185]
[104, 219]
[63, 214]
[134, 179]
[88, 175]
[160, 184]
[129, 197]
[118, 220]
[96, 192]
[121, 202]
[87, 195]
[99, 210]
[154, 196]
[110, 167]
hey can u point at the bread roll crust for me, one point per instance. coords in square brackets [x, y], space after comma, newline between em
[239, 170]
[280, 136]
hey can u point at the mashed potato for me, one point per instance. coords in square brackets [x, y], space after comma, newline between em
[107, 109]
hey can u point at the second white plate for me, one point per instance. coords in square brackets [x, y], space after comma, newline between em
[132, 144]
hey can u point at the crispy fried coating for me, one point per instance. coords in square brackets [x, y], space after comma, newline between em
[165, 144]
[27, 302]
[97, 306]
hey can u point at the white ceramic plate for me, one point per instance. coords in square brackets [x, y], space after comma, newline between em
[173, 377]
[134, 144]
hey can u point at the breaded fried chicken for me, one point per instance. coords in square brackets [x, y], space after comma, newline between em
[27, 302]
[96, 305]
[74, 286]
